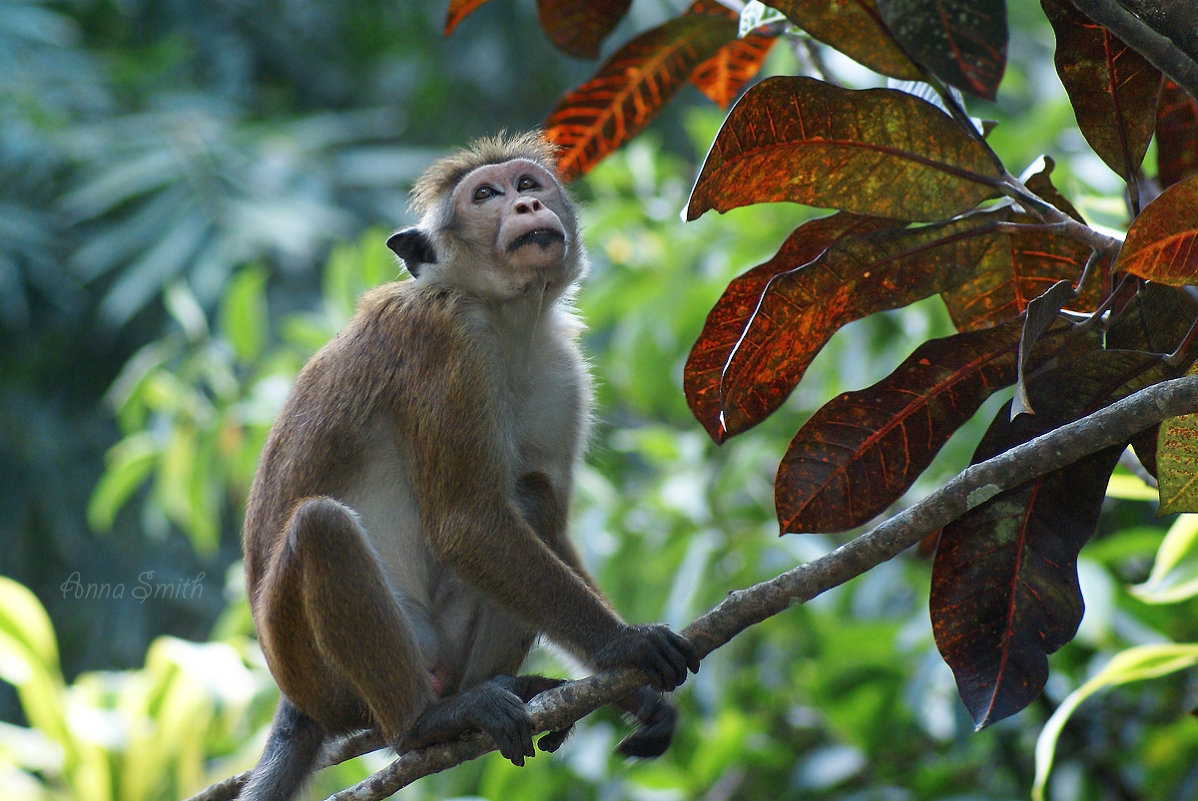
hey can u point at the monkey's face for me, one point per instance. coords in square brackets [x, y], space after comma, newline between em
[517, 214]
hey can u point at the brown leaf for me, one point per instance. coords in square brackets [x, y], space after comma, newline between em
[1024, 266]
[578, 27]
[1162, 243]
[1042, 312]
[458, 11]
[861, 451]
[722, 76]
[763, 333]
[1113, 89]
[631, 87]
[855, 28]
[962, 42]
[1005, 591]
[878, 152]
[1176, 135]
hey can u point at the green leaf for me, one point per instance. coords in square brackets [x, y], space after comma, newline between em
[29, 660]
[1177, 462]
[1134, 664]
[129, 464]
[244, 313]
[1174, 575]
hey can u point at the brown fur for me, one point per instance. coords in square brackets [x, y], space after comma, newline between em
[405, 536]
[445, 173]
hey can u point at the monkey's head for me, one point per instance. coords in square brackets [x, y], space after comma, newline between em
[495, 221]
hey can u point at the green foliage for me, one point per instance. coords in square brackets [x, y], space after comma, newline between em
[144, 735]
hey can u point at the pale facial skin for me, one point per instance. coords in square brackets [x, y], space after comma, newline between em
[515, 211]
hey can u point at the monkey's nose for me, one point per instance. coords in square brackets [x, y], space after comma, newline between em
[527, 205]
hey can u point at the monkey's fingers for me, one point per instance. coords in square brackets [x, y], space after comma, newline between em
[657, 720]
[674, 656]
[553, 740]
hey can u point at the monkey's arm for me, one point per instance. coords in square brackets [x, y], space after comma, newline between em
[471, 512]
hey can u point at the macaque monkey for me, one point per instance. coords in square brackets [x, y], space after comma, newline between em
[405, 537]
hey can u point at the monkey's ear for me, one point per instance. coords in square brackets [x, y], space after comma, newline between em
[413, 246]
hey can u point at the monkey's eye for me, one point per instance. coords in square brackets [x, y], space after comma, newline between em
[485, 192]
[527, 182]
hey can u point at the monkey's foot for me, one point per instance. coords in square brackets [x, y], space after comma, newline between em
[492, 707]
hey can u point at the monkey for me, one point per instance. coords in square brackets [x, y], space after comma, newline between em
[405, 532]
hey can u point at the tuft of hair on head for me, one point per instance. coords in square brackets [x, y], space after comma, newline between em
[446, 172]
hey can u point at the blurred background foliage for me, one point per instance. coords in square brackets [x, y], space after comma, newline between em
[191, 197]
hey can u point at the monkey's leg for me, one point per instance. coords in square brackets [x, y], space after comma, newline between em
[290, 751]
[352, 648]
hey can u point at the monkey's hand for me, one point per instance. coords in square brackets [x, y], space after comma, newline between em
[661, 654]
[657, 718]
[495, 706]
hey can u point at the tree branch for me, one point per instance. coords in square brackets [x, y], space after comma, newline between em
[562, 706]
[1161, 52]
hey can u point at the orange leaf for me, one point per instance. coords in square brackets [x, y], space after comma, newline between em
[722, 76]
[631, 87]
[458, 11]
[1162, 243]
[771, 322]
[878, 151]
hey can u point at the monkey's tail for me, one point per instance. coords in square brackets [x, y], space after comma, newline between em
[288, 757]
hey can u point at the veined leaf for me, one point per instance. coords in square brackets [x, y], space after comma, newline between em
[878, 152]
[1162, 243]
[1113, 89]
[855, 28]
[864, 449]
[1005, 591]
[1177, 462]
[633, 85]
[763, 333]
[722, 76]
[962, 42]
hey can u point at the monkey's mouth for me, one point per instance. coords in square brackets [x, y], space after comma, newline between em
[544, 237]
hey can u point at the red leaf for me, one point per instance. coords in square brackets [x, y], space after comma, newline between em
[855, 28]
[1162, 243]
[770, 323]
[1113, 89]
[863, 450]
[879, 151]
[458, 11]
[722, 76]
[1176, 135]
[1022, 267]
[578, 27]
[631, 87]
[1005, 592]
[962, 42]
